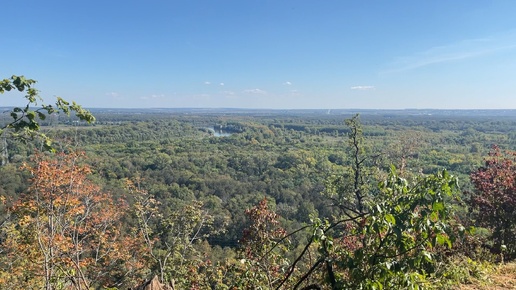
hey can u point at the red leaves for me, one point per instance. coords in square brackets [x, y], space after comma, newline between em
[263, 229]
[264, 257]
[496, 181]
[495, 196]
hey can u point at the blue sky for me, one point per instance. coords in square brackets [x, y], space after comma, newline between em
[457, 54]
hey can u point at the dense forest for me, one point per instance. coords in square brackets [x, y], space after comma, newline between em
[229, 199]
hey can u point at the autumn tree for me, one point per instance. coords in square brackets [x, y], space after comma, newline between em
[494, 198]
[264, 256]
[65, 232]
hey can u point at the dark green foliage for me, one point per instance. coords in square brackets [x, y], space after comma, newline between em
[395, 243]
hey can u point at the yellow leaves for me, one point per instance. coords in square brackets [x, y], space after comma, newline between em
[25, 220]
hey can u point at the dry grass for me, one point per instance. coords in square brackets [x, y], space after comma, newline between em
[503, 277]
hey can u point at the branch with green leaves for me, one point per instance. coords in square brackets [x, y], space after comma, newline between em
[389, 245]
[25, 120]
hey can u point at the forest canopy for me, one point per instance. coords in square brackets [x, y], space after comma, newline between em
[239, 200]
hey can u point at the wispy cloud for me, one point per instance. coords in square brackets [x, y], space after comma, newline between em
[363, 88]
[295, 93]
[255, 92]
[229, 94]
[461, 50]
[152, 97]
[113, 95]
[287, 83]
[209, 83]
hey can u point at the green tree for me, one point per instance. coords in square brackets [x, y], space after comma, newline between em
[392, 244]
[170, 240]
[25, 121]
[385, 238]
[353, 187]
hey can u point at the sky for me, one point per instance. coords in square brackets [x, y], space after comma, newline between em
[269, 54]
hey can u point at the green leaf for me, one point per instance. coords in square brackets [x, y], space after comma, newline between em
[438, 206]
[31, 115]
[390, 219]
[442, 239]
[427, 256]
[41, 115]
[434, 216]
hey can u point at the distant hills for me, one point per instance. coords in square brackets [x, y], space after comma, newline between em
[296, 112]
[379, 112]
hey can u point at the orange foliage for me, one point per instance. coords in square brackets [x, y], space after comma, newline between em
[65, 231]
